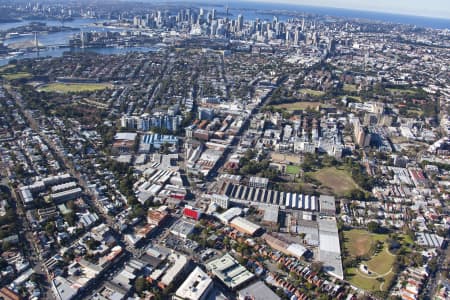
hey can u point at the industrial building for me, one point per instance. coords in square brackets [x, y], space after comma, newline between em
[327, 205]
[329, 247]
[248, 195]
[258, 182]
[229, 271]
[229, 215]
[245, 226]
[271, 215]
[278, 243]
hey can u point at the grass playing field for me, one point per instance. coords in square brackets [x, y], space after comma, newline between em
[313, 93]
[354, 98]
[73, 87]
[358, 243]
[13, 76]
[301, 105]
[350, 87]
[382, 262]
[401, 91]
[339, 181]
[369, 283]
[6, 67]
[283, 158]
[292, 169]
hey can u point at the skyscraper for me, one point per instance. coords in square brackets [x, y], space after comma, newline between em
[240, 22]
[297, 36]
[288, 36]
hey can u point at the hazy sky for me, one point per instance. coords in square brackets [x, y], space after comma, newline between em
[433, 8]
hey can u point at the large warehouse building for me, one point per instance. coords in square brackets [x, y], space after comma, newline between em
[329, 247]
[245, 226]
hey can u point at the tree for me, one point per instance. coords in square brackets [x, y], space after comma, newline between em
[309, 162]
[6, 246]
[417, 259]
[316, 266]
[166, 148]
[373, 227]
[136, 143]
[329, 161]
[50, 228]
[92, 244]
[70, 218]
[138, 211]
[3, 263]
[432, 265]
[141, 285]
[281, 267]
[293, 275]
[35, 277]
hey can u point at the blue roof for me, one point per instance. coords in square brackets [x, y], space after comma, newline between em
[159, 139]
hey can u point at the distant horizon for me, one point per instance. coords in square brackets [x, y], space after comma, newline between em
[438, 14]
[425, 12]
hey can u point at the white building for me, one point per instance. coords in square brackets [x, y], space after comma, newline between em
[196, 287]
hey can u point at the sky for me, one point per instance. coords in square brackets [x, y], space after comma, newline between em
[428, 8]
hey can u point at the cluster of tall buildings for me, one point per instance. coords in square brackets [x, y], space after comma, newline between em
[364, 133]
[160, 19]
[148, 122]
[208, 23]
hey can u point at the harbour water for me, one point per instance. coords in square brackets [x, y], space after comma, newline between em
[56, 38]
[62, 38]
[58, 52]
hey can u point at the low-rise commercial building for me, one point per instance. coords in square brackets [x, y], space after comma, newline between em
[196, 287]
[229, 271]
[257, 290]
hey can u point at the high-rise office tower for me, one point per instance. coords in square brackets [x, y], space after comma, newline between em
[288, 36]
[297, 36]
[188, 14]
[240, 22]
[209, 17]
